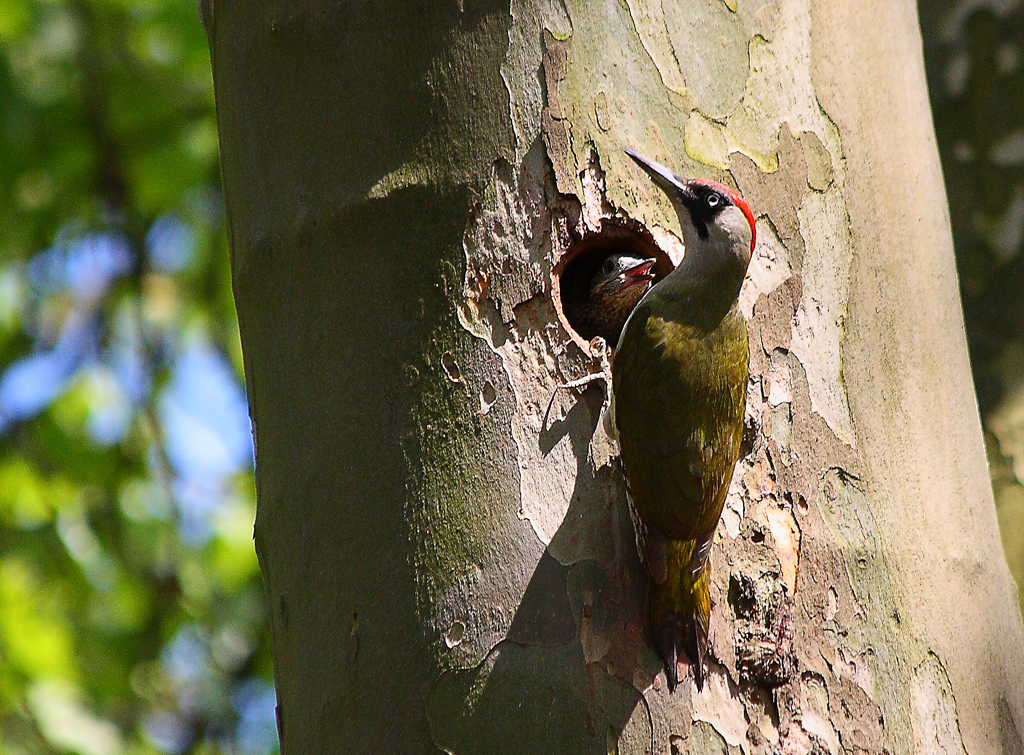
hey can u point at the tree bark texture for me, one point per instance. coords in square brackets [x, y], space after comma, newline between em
[445, 571]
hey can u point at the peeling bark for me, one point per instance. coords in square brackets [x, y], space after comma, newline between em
[446, 570]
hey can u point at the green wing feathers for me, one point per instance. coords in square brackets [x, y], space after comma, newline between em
[680, 395]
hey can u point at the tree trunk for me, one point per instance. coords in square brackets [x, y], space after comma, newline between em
[448, 572]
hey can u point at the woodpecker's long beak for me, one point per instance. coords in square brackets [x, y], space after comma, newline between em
[676, 186]
[641, 273]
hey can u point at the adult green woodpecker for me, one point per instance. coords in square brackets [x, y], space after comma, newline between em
[679, 380]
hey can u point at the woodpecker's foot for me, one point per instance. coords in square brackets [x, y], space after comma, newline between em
[581, 383]
[599, 349]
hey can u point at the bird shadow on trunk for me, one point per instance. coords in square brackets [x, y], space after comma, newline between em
[576, 649]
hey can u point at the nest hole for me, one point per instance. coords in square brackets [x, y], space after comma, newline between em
[580, 302]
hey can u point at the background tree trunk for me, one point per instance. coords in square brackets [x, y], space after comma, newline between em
[445, 572]
[976, 87]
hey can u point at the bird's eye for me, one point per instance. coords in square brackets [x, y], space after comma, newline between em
[713, 200]
[609, 266]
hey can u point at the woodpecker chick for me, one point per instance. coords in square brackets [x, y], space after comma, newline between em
[679, 380]
[602, 292]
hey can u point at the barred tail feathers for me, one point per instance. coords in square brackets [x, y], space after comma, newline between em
[678, 610]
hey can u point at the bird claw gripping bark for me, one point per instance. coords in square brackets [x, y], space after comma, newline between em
[598, 348]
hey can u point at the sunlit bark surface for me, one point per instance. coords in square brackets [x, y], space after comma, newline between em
[448, 572]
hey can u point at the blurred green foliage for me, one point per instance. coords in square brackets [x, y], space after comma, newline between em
[974, 56]
[131, 608]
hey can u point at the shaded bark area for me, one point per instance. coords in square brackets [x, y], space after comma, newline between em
[449, 572]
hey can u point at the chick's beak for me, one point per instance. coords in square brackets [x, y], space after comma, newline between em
[676, 186]
[641, 273]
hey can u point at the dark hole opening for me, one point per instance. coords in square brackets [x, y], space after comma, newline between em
[599, 282]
